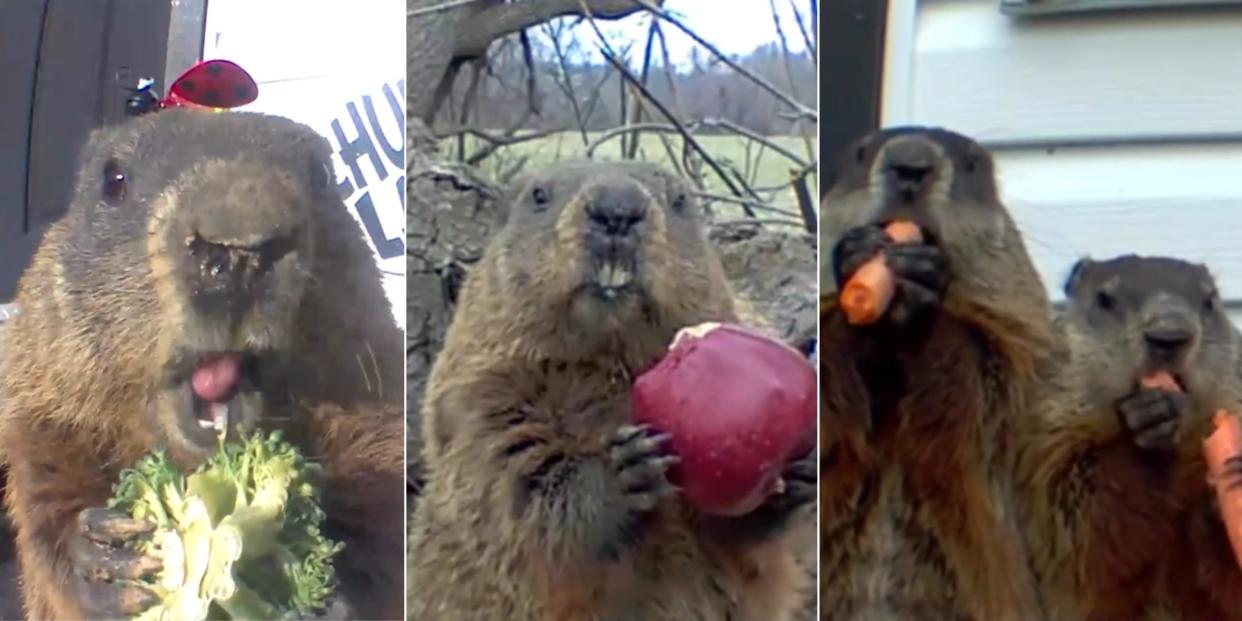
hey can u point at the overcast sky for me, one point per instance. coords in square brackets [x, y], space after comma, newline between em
[735, 26]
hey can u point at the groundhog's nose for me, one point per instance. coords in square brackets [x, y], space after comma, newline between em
[616, 211]
[908, 165]
[1167, 341]
[227, 265]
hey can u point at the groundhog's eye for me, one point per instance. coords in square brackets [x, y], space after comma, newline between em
[970, 162]
[114, 182]
[541, 197]
[1209, 304]
[320, 176]
[679, 203]
[1105, 301]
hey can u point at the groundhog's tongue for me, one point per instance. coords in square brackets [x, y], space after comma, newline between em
[1161, 380]
[215, 377]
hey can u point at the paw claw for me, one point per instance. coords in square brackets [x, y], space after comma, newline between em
[107, 526]
[1153, 418]
[641, 466]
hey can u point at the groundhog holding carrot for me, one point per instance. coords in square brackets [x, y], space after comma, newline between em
[1122, 524]
[920, 399]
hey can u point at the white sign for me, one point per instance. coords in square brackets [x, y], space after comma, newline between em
[339, 67]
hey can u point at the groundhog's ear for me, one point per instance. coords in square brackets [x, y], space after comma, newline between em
[1075, 276]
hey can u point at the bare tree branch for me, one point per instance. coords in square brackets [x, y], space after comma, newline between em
[528, 58]
[742, 201]
[554, 34]
[805, 204]
[807, 41]
[495, 140]
[754, 221]
[443, 6]
[507, 18]
[724, 58]
[724, 124]
[789, 75]
[637, 117]
[467, 104]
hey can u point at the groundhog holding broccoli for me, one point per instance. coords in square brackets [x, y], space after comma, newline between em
[206, 277]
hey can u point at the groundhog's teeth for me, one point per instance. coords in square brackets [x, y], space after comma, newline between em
[613, 276]
[220, 416]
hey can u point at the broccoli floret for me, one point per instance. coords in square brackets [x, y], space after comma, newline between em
[240, 537]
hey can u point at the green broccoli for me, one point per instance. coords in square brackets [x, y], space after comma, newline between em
[239, 538]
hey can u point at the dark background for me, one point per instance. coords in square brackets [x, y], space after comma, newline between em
[63, 66]
[851, 52]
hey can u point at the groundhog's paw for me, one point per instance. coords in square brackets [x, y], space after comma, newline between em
[640, 463]
[104, 569]
[801, 477]
[855, 248]
[922, 277]
[337, 610]
[1152, 417]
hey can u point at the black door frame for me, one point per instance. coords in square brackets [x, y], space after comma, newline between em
[851, 76]
[83, 54]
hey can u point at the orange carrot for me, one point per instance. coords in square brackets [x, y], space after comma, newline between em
[1161, 380]
[868, 292]
[1225, 444]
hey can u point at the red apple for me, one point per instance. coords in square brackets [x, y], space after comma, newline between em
[738, 406]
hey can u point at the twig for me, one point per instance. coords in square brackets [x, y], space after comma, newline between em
[436, 8]
[768, 142]
[764, 84]
[725, 124]
[596, 95]
[754, 221]
[668, 148]
[712, 196]
[567, 80]
[806, 36]
[678, 163]
[805, 205]
[495, 141]
[528, 58]
[467, 104]
[789, 75]
[606, 50]
[637, 117]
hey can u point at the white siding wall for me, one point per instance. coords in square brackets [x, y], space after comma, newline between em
[1114, 133]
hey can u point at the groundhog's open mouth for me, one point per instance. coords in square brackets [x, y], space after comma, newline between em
[212, 387]
[612, 279]
[927, 233]
[1164, 379]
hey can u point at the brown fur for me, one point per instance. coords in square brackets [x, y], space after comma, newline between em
[916, 496]
[1116, 532]
[533, 376]
[104, 308]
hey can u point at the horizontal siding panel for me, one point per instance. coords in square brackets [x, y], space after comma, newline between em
[1132, 76]
[1183, 201]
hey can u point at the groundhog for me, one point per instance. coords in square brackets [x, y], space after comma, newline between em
[206, 277]
[917, 492]
[542, 501]
[1124, 524]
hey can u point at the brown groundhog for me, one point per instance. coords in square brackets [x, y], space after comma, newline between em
[916, 484]
[1124, 524]
[542, 502]
[206, 275]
